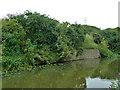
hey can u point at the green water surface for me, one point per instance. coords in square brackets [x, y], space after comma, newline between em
[94, 73]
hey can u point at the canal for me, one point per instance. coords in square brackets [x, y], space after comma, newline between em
[91, 73]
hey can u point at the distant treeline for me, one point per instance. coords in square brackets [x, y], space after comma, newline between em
[31, 37]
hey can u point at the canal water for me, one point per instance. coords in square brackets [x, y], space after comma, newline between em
[92, 73]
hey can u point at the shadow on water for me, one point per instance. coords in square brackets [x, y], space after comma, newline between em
[66, 75]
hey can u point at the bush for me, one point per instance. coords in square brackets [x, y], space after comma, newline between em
[103, 48]
[11, 63]
[89, 42]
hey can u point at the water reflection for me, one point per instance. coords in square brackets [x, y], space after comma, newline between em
[98, 83]
[68, 75]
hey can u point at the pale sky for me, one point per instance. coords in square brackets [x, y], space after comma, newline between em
[99, 13]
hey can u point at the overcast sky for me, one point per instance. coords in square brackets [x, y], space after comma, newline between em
[100, 13]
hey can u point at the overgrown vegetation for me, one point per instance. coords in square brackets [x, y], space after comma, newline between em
[32, 38]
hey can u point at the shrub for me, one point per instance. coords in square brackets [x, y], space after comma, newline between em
[10, 63]
[89, 42]
[103, 48]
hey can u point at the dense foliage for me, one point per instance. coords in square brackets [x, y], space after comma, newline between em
[32, 38]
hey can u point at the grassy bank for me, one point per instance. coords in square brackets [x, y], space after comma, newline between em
[31, 38]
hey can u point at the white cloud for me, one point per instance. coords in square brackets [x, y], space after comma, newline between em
[100, 13]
